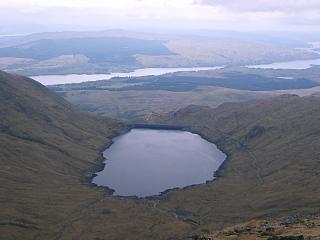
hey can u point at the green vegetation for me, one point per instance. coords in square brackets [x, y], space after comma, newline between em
[49, 150]
[273, 161]
[130, 98]
[176, 83]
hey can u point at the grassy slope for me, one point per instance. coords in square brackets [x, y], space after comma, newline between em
[288, 228]
[273, 165]
[131, 104]
[46, 145]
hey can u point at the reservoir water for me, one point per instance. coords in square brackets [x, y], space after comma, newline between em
[78, 78]
[146, 162]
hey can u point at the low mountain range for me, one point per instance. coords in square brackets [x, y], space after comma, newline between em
[118, 50]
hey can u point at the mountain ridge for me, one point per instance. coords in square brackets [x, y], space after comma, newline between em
[49, 151]
[272, 165]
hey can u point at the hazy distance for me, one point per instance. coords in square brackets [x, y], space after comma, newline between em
[29, 16]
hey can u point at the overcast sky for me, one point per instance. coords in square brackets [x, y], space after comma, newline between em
[243, 15]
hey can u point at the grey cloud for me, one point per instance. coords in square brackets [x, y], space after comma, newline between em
[265, 5]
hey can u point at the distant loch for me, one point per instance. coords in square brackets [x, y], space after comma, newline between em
[295, 65]
[78, 78]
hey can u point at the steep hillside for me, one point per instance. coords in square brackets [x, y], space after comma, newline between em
[272, 168]
[46, 147]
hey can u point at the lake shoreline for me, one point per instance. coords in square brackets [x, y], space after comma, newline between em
[101, 163]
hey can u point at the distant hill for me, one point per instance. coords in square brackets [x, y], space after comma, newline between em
[114, 50]
[119, 50]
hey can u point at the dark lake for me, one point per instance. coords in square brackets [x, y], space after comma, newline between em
[145, 162]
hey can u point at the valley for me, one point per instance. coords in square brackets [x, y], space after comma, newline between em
[168, 134]
[270, 146]
[133, 97]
